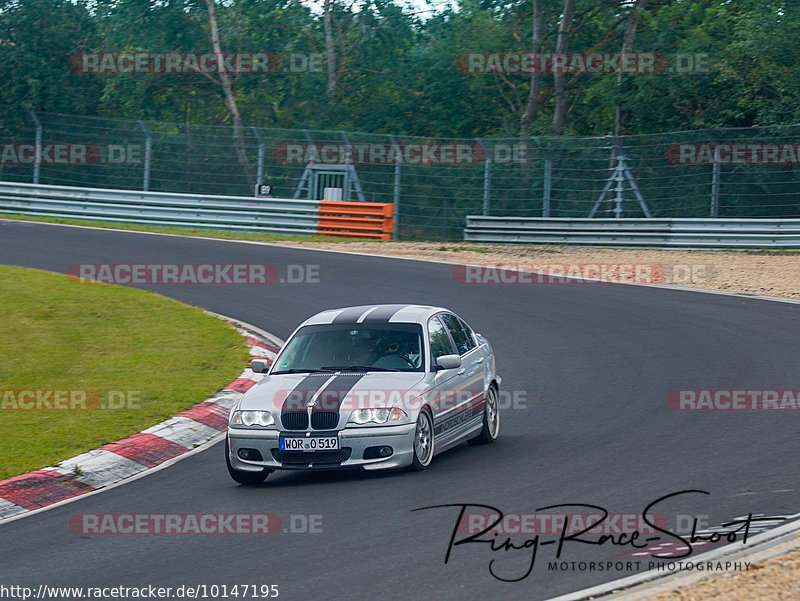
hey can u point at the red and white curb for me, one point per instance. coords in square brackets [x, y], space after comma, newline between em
[135, 454]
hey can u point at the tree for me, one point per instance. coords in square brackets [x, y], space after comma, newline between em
[145, 26]
[330, 52]
[559, 78]
[621, 114]
[536, 78]
[227, 88]
[38, 39]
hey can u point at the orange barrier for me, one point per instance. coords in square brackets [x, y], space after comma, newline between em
[356, 219]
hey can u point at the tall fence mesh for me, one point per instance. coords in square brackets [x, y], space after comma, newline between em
[434, 182]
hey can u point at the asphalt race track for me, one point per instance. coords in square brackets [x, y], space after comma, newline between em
[591, 366]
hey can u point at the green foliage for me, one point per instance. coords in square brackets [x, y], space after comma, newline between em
[37, 40]
[397, 72]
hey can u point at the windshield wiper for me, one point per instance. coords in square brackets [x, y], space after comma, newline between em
[301, 371]
[358, 368]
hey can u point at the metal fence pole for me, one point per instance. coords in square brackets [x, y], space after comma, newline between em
[547, 185]
[38, 146]
[148, 150]
[260, 170]
[348, 160]
[396, 188]
[619, 190]
[487, 178]
[715, 189]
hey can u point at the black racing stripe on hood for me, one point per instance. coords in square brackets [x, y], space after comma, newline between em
[351, 315]
[330, 399]
[298, 398]
[383, 314]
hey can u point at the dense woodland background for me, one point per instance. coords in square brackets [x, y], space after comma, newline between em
[391, 68]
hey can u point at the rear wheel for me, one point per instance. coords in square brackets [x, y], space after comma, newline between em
[491, 420]
[423, 442]
[241, 476]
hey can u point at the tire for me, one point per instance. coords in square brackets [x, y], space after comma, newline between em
[423, 442]
[491, 420]
[242, 477]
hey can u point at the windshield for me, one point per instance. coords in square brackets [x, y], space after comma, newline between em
[356, 347]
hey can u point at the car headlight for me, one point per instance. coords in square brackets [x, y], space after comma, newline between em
[395, 415]
[250, 419]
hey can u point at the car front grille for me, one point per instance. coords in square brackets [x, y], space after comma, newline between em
[295, 420]
[324, 420]
[315, 457]
[320, 420]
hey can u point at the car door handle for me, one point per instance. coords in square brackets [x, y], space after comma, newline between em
[480, 360]
[460, 371]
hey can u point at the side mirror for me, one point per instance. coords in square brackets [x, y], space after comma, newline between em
[448, 362]
[259, 366]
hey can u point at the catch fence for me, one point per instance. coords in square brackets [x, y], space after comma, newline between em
[433, 183]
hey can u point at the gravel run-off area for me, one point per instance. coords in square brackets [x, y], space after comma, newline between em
[759, 273]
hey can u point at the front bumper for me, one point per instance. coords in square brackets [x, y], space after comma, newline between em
[400, 438]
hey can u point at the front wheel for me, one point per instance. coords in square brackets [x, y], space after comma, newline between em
[241, 476]
[491, 420]
[423, 442]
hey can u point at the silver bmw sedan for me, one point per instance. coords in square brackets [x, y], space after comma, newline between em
[371, 387]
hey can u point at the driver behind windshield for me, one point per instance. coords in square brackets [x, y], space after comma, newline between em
[393, 350]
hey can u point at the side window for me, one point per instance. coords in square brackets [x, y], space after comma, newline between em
[468, 333]
[463, 343]
[440, 341]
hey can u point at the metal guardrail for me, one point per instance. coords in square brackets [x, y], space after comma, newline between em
[159, 208]
[686, 233]
[279, 215]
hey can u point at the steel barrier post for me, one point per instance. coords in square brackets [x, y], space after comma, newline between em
[38, 148]
[715, 189]
[487, 178]
[260, 170]
[396, 188]
[148, 150]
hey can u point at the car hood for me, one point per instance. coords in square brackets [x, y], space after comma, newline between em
[335, 392]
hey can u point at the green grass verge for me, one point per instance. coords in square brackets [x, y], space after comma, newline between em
[161, 355]
[184, 231]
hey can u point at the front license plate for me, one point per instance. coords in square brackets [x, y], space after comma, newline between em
[318, 443]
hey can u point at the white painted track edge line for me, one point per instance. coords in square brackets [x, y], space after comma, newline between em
[249, 326]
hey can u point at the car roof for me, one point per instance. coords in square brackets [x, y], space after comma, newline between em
[373, 314]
